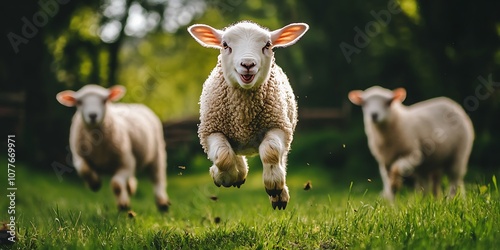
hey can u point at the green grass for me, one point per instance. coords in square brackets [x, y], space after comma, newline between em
[336, 213]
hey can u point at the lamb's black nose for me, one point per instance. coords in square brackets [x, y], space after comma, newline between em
[374, 117]
[92, 117]
[248, 65]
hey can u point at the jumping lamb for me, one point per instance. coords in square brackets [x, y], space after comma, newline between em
[115, 138]
[247, 105]
[426, 140]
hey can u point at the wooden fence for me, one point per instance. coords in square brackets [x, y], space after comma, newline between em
[181, 132]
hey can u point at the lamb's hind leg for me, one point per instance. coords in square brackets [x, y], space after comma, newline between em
[456, 186]
[435, 179]
[456, 177]
[159, 177]
[273, 155]
[224, 170]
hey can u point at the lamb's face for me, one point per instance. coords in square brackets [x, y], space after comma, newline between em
[246, 49]
[91, 101]
[376, 102]
[246, 55]
[376, 108]
[92, 107]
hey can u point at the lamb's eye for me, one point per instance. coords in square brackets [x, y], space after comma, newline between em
[78, 102]
[225, 46]
[388, 103]
[268, 45]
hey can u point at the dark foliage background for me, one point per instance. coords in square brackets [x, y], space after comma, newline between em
[432, 48]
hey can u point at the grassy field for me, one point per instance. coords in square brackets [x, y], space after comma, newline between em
[333, 214]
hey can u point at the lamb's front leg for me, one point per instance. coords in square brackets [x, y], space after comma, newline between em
[120, 183]
[225, 171]
[404, 166]
[90, 176]
[387, 192]
[273, 155]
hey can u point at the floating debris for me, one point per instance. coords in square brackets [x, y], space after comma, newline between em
[217, 220]
[307, 186]
[131, 214]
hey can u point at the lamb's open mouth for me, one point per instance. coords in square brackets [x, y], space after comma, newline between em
[247, 78]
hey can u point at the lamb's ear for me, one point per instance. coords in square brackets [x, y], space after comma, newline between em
[288, 35]
[206, 35]
[66, 98]
[399, 94]
[355, 97]
[116, 93]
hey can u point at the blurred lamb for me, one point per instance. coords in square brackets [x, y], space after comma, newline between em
[107, 138]
[247, 105]
[426, 140]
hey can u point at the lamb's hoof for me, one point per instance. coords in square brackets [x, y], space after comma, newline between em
[239, 183]
[163, 207]
[279, 204]
[274, 192]
[123, 208]
[279, 197]
[227, 185]
[96, 186]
